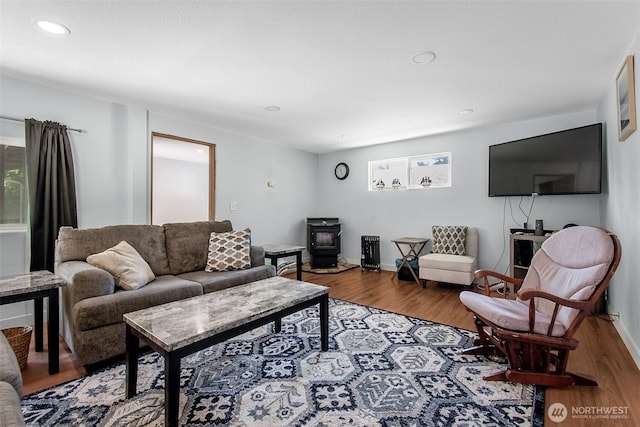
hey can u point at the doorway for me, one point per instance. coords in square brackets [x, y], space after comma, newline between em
[182, 179]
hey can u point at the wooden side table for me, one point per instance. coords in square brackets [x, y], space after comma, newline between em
[36, 286]
[273, 252]
[410, 248]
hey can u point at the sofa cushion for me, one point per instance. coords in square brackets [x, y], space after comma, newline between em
[108, 309]
[9, 369]
[149, 240]
[125, 264]
[229, 251]
[449, 239]
[188, 243]
[225, 279]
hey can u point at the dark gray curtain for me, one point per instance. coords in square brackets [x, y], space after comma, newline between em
[51, 185]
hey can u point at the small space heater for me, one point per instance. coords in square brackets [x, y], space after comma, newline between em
[370, 258]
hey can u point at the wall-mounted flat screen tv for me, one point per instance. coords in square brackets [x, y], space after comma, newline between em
[565, 162]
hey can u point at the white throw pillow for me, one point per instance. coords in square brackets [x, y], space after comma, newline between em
[229, 251]
[125, 264]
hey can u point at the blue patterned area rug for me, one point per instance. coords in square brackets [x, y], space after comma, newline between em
[382, 369]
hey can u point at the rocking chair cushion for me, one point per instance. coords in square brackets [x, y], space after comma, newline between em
[570, 265]
[509, 314]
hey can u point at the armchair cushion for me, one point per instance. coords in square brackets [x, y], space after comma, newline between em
[449, 239]
[509, 314]
[448, 262]
[9, 368]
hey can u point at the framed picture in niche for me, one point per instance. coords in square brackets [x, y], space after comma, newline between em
[625, 89]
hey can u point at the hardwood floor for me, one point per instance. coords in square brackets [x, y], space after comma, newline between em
[601, 354]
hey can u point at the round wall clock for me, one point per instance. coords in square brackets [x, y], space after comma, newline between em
[342, 170]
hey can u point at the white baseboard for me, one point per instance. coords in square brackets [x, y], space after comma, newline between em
[628, 341]
[385, 267]
[21, 320]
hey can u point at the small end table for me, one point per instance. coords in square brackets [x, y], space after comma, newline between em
[410, 248]
[36, 286]
[274, 251]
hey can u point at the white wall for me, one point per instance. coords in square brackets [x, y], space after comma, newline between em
[244, 165]
[621, 210]
[394, 214]
[112, 166]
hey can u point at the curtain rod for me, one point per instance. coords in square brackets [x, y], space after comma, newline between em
[15, 119]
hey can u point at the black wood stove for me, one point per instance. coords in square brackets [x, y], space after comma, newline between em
[323, 241]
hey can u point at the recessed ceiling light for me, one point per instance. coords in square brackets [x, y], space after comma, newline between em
[272, 108]
[465, 111]
[346, 136]
[52, 27]
[423, 57]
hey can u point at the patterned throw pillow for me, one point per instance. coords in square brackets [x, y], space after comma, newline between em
[229, 251]
[449, 239]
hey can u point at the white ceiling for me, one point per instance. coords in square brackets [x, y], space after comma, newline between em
[334, 67]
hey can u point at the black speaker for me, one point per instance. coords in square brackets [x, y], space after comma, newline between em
[539, 228]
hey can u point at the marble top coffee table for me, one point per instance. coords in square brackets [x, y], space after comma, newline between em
[180, 328]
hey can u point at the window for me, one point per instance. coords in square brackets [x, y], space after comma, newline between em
[430, 171]
[388, 174]
[424, 171]
[13, 198]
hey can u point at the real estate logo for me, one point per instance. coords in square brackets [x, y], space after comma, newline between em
[557, 412]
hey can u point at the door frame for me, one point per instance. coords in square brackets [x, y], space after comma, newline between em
[212, 171]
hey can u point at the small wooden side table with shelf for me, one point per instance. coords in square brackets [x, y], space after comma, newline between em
[410, 248]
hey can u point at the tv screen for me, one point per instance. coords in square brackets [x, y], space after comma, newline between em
[565, 162]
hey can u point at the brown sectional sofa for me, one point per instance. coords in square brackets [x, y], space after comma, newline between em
[93, 306]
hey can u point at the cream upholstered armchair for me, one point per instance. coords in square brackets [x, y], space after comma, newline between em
[535, 332]
[454, 256]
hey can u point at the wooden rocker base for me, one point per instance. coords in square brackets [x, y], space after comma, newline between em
[482, 350]
[548, 380]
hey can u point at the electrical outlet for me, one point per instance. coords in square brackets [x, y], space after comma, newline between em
[233, 206]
